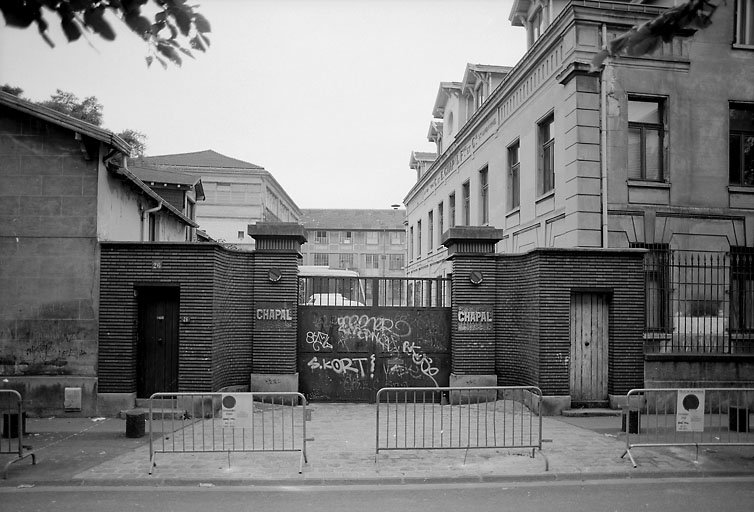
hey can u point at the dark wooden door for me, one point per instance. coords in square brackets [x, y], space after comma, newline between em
[157, 347]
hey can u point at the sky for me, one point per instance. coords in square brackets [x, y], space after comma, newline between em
[330, 96]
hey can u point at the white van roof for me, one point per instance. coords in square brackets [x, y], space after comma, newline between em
[323, 271]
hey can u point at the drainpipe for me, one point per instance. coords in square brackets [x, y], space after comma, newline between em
[603, 144]
[145, 220]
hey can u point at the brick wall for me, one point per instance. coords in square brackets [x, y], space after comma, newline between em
[535, 297]
[517, 307]
[473, 353]
[215, 294]
[275, 342]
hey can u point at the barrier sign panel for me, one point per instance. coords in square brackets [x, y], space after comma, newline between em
[237, 411]
[690, 411]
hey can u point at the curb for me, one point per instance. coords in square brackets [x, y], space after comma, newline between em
[339, 482]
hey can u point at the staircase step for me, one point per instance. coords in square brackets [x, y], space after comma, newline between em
[164, 403]
[585, 412]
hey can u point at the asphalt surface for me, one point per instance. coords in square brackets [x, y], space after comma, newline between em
[96, 451]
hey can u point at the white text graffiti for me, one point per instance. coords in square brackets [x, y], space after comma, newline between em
[385, 332]
[318, 340]
[343, 365]
[421, 360]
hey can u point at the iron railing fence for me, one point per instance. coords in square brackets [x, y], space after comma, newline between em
[446, 418]
[13, 429]
[699, 302]
[688, 417]
[374, 291]
[227, 422]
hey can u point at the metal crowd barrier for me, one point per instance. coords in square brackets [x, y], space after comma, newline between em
[13, 429]
[227, 422]
[688, 417]
[459, 418]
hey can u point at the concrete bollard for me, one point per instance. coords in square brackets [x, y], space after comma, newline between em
[630, 421]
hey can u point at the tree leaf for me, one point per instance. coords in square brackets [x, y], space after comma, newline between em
[94, 18]
[201, 23]
[132, 6]
[149, 60]
[156, 28]
[186, 52]
[173, 31]
[80, 5]
[182, 16]
[18, 13]
[138, 24]
[70, 29]
[168, 51]
[197, 44]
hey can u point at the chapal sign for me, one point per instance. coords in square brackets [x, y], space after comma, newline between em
[477, 318]
[273, 315]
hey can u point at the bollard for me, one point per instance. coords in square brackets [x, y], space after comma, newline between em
[136, 421]
[10, 425]
[738, 419]
[630, 421]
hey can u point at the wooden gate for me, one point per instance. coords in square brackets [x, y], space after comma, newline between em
[348, 353]
[157, 346]
[589, 348]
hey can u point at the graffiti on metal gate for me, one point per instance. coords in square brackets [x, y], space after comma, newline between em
[349, 354]
[386, 333]
[318, 340]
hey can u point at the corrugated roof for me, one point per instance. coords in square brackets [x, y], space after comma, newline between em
[65, 121]
[164, 176]
[207, 158]
[347, 219]
[209, 165]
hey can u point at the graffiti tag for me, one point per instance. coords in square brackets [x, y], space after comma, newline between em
[339, 365]
[382, 331]
[318, 340]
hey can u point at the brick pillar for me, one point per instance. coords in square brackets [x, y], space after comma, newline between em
[471, 251]
[275, 310]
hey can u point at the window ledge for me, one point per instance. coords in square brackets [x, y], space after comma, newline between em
[546, 195]
[648, 184]
[738, 46]
[741, 189]
[514, 211]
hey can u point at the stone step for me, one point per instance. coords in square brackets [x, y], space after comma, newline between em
[163, 403]
[158, 413]
[586, 412]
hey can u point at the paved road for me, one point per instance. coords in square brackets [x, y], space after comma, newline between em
[666, 495]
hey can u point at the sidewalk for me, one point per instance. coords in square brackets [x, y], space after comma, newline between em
[85, 451]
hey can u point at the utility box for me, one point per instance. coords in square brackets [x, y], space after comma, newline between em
[72, 399]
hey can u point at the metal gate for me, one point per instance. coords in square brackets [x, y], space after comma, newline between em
[349, 350]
